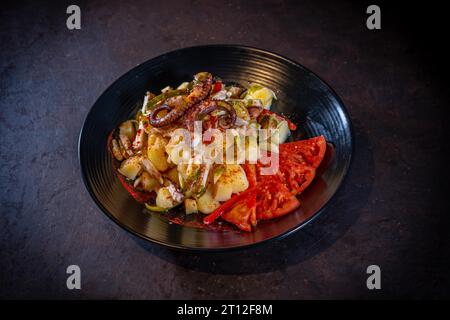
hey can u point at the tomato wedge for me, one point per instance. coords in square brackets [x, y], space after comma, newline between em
[311, 151]
[274, 199]
[241, 214]
[297, 177]
[250, 172]
[298, 162]
[241, 197]
[297, 168]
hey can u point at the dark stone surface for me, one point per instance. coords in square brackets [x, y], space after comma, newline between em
[390, 212]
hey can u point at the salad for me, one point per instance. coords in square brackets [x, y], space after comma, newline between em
[214, 150]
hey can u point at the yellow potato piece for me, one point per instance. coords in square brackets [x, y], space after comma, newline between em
[148, 183]
[222, 192]
[172, 174]
[265, 95]
[156, 152]
[130, 168]
[164, 199]
[232, 180]
[190, 206]
[206, 203]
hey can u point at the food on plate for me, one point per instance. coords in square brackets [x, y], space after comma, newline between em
[215, 150]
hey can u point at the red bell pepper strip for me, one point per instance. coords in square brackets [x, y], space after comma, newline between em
[217, 87]
[228, 205]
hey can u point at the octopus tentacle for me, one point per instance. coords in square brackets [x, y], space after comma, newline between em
[157, 110]
[199, 92]
[205, 108]
[226, 120]
[254, 111]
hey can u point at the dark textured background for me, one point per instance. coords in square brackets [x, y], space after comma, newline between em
[392, 210]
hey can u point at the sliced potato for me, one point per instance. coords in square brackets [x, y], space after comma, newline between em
[265, 95]
[190, 206]
[235, 176]
[172, 174]
[164, 199]
[206, 203]
[222, 192]
[156, 140]
[232, 180]
[148, 183]
[131, 168]
[156, 152]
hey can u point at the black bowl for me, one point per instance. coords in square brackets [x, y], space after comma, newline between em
[302, 96]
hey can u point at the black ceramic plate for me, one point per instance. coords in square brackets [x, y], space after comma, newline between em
[302, 96]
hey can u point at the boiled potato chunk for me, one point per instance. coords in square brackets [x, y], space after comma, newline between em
[164, 199]
[131, 168]
[148, 183]
[206, 203]
[222, 192]
[172, 174]
[190, 206]
[233, 180]
[265, 95]
[156, 152]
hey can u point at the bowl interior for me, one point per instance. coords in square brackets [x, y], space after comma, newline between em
[302, 97]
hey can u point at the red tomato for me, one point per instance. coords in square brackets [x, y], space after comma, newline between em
[310, 151]
[297, 167]
[250, 172]
[241, 214]
[296, 176]
[294, 173]
[274, 199]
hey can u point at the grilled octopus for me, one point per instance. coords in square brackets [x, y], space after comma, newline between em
[177, 106]
[205, 108]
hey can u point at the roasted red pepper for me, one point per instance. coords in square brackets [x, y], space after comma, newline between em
[217, 87]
